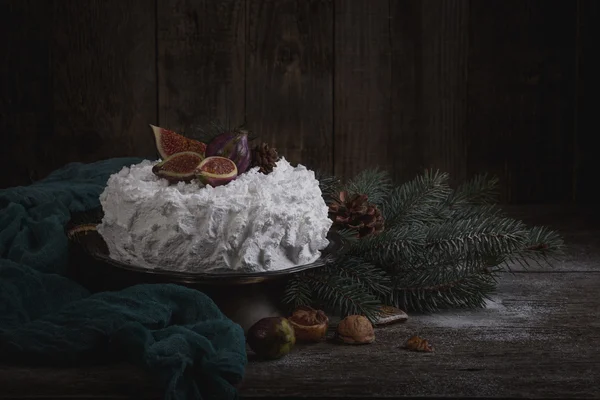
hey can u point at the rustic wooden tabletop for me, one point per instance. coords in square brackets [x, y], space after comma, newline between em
[539, 337]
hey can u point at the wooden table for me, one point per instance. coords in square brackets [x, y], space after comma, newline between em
[539, 337]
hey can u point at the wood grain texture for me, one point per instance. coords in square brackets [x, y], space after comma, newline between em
[25, 89]
[539, 337]
[363, 135]
[428, 110]
[201, 63]
[521, 94]
[407, 138]
[586, 139]
[445, 43]
[104, 81]
[289, 78]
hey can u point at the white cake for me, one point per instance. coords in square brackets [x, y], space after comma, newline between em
[255, 223]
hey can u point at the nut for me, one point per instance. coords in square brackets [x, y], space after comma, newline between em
[416, 343]
[355, 329]
[309, 324]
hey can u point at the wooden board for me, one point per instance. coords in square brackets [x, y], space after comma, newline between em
[408, 141]
[401, 85]
[201, 64]
[362, 125]
[104, 81]
[521, 81]
[25, 89]
[439, 48]
[289, 78]
[586, 140]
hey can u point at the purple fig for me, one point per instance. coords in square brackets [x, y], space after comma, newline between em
[232, 145]
[216, 171]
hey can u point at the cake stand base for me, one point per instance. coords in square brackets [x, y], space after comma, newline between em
[247, 304]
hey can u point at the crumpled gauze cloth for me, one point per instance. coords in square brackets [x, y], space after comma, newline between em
[177, 334]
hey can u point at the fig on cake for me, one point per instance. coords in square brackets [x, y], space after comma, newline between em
[232, 145]
[216, 171]
[179, 167]
[169, 143]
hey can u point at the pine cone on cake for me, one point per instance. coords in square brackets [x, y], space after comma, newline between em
[264, 157]
[356, 213]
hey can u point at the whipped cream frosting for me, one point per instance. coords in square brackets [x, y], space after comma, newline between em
[255, 223]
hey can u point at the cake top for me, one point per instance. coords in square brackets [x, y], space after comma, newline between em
[285, 185]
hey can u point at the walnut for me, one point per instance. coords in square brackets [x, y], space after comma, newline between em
[309, 324]
[416, 343]
[355, 329]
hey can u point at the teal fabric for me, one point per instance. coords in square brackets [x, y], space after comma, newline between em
[177, 334]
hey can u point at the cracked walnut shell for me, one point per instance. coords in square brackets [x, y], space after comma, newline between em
[355, 329]
[309, 324]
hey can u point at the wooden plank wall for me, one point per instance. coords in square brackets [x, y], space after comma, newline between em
[467, 86]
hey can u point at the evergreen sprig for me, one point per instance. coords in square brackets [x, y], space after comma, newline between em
[479, 190]
[375, 183]
[441, 248]
[417, 201]
[329, 288]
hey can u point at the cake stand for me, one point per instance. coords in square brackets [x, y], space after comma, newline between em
[244, 297]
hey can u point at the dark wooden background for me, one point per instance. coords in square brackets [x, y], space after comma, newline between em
[498, 86]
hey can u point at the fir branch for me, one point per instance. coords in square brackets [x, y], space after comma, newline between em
[375, 183]
[447, 289]
[417, 200]
[479, 190]
[392, 247]
[474, 211]
[541, 244]
[374, 279]
[348, 236]
[338, 294]
[489, 235]
[439, 249]
[297, 293]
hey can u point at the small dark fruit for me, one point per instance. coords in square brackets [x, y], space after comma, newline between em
[271, 337]
[232, 145]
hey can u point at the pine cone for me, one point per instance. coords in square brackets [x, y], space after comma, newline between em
[356, 213]
[265, 157]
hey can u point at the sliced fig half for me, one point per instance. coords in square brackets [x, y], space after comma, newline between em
[169, 143]
[180, 167]
[216, 171]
